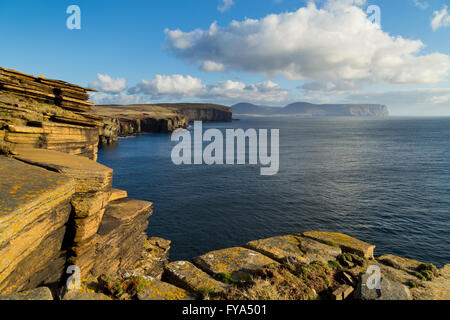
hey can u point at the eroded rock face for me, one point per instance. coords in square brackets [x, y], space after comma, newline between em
[34, 208]
[44, 113]
[120, 239]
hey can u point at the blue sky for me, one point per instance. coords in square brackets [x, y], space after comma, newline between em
[149, 51]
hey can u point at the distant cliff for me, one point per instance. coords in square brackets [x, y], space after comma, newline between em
[305, 109]
[201, 112]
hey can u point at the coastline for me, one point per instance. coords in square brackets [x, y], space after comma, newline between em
[60, 210]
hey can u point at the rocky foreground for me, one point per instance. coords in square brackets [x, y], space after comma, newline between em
[309, 266]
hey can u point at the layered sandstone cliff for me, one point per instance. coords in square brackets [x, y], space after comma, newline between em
[43, 113]
[57, 205]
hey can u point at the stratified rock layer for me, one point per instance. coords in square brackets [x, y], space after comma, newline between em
[49, 114]
[34, 208]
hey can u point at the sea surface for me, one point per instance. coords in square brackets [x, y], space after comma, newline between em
[384, 181]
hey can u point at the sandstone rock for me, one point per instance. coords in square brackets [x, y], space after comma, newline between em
[437, 289]
[153, 259]
[34, 204]
[89, 175]
[185, 275]
[120, 238]
[317, 251]
[117, 194]
[239, 263]
[42, 293]
[345, 242]
[86, 296]
[389, 290]
[401, 263]
[342, 292]
[280, 248]
[158, 290]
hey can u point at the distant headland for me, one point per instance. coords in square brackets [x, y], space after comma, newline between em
[305, 109]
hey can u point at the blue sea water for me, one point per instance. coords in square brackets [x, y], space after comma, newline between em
[384, 181]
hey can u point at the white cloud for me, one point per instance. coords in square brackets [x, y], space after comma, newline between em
[333, 43]
[440, 19]
[211, 66]
[106, 83]
[174, 85]
[422, 5]
[124, 98]
[226, 5]
[179, 86]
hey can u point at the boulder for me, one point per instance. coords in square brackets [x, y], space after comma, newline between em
[345, 242]
[389, 290]
[237, 263]
[158, 290]
[280, 248]
[185, 275]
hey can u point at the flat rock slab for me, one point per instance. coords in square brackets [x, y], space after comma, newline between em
[158, 290]
[42, 293]
[401, 263]
[389, 290]
[280, 248]
[90, 175]
[317, 251]
[127, 209]
[237, 262]
[117, 194]
[345, 242]
[85, 296]
[185, 275]
[23, 186]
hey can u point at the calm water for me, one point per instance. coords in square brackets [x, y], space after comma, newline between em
[384, 181]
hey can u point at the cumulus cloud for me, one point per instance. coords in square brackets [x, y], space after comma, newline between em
[179, 86]
[226, 5]
[121, 98]
[334, 43]
[211, 66]
[440, 19]
[106, 83]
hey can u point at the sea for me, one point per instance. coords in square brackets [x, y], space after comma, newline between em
[385, 181]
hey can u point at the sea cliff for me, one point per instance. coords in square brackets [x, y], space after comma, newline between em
[162, 118]
[60, 217]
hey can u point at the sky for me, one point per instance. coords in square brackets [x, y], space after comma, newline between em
[267, 52]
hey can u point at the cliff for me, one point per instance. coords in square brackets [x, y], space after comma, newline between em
[304, 109]
[161, 118]
[44, 113]
[57, 204]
